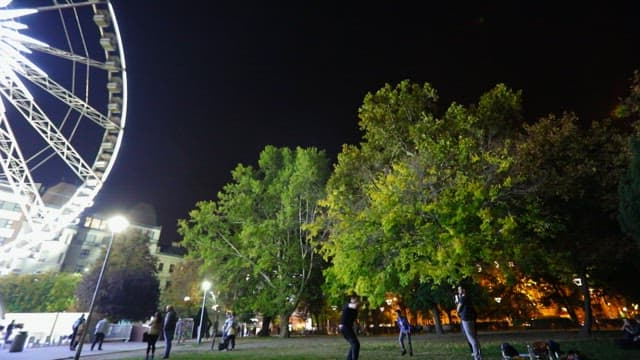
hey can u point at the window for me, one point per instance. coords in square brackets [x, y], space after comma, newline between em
[160, 267]
[171, 268]
[91, 238]
[84, 253]
[167, 285]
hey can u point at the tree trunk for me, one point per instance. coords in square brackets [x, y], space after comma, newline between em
[566, 303]
[436, 318]
[266, 323]
[284, 326]
[588, 315]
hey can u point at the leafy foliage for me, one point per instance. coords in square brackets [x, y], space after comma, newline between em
[48, 292]
[420, 199]
[130, 288]
[255, 240]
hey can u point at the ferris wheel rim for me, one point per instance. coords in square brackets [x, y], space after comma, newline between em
[92, 172]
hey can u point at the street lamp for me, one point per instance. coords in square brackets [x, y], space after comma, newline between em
[116, 224]
[206, 285]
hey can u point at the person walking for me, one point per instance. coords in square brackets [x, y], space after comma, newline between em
[155, 326]
[168, 329]
[348, 319]
[405, 332]
[98, 335]
[8, 331]
[77, 325]
[468, 317]
[229, 332]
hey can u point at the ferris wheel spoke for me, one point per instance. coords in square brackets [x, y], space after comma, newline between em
[17, 173]
[112, 64]
[86, 78]
[66, 96]
[70, 5]
[47, 130]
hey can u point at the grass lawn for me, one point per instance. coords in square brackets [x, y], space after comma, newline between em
[430, 346]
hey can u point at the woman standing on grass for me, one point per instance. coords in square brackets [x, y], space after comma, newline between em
[155, 326]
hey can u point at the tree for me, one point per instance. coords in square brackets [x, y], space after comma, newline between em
[573, 172]
[39, 292]
[254, 240]
[629, 188]
[185, 282]
[130, 288]
[422, 200]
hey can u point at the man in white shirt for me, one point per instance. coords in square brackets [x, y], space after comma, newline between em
[98, 335]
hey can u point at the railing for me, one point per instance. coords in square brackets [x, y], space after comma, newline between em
[118, 332]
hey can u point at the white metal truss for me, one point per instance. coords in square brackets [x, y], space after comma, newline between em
[16, 68]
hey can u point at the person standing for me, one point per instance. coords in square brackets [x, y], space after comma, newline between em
[405, 332]
[98, 335]
[8, 331]
[229, 332]
[180, 330]
[348, 319]
[168, 329]
[155, 326]
[468, 317]
[77, 325]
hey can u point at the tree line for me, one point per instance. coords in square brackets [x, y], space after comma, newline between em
[430, 197]
[433, 195]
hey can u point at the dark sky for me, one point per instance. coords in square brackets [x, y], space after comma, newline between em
[212, 82]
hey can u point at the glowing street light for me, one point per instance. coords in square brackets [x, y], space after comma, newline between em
[116, 225]
[206, 285]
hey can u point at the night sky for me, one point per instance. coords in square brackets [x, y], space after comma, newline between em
[212, 83]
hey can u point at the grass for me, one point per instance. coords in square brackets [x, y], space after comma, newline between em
[599, 346]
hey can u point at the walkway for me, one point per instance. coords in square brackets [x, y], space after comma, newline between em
[110, 350]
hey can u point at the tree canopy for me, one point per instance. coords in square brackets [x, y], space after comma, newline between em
[254, 241]
[130, 288]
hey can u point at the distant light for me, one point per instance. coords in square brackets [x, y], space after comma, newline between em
[117, 223]
[206, 285]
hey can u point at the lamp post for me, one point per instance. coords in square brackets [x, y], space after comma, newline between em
[116, 224]
[206, 285]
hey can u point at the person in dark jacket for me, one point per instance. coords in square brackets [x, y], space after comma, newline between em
[77, 325]
[347, 320]
[168, 329]
[468, 316]
[8, 331]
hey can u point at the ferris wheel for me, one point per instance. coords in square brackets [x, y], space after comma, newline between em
[63, 104]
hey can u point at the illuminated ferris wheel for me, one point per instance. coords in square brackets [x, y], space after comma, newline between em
[63, 101]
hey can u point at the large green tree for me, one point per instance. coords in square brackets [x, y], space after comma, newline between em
[130, 288]
[629, 188]
[573, 171]
[47, 292]
[254, 240]
[422, 200]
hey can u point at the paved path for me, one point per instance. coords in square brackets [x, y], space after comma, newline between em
[110, 350]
